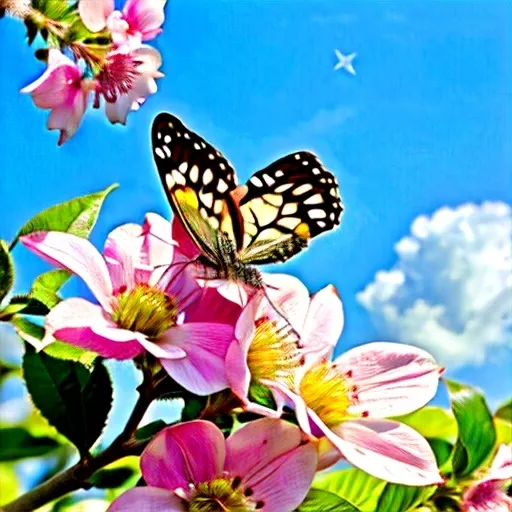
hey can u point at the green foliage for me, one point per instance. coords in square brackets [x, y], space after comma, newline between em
[477, 435]
[353, 485]
[442, 450]
[324, 501]
[76, 216]
[148, 431]
[401, 498]
[61, 350]
[46, 286]
[111, 478]
[16, 443]
[432, 423]
[6, 271]
[73, 398]
[504, 411]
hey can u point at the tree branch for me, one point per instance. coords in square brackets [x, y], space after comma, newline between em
[77, 476]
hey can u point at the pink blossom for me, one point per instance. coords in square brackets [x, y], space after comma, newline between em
[63, 90]
[148, 301]
[343, 402]
[274, 339]
[265, 465]
[127, 79]
[488, 494]
[140, 20]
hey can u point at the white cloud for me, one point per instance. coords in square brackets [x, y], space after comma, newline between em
[450, 291]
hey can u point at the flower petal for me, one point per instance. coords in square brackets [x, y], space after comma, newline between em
[186, 244]
[78, 256]
[203, 371]
[212, 307]
[94, 13]
[238, 376]
[191, 452]
[145, 16]
[158, 246]
[501, 467]
[52, 88]
[388, 450]
[162, 350]
[147, 499]
[274, 460]
[391, 378]
[324, 323]
[122, 253]
[85, 325]
[289, 296]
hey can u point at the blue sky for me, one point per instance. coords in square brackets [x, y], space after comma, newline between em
[423, 125]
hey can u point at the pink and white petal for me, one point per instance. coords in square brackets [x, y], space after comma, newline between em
[117, 112]
[67, 117]
[238, 376]
[78, 256]
[178, 282]
[289, 296]
[486, 496]
[275, 460]
[122, 253]
[501, 467]
[147, 499]
[85, 325]
[145, 16]
[388, 450]
[186, 244]
[391, 378]
[233, 291]
[283, 395]
[203, 371]
[191, 452]
[94, 13]
[158, 246]
[150, 59]
[323, 324]
[163, 350]
[212, 307]
[328, 454]
[52, 88]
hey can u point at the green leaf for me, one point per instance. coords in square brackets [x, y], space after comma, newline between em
[432, 422]
[46, 286]
[504, 411]
[6, 271]
[26, 305]
[28, 331]
[353, 485]
[442, 450]
[111, 478]
[76, 216]
[75, 400]
[477, 434]
[401, 498]
[61, 350]
[16, 443]
[146, 432]
[325, 501]
[503, 431]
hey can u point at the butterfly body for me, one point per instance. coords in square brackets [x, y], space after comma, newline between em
[235, 227]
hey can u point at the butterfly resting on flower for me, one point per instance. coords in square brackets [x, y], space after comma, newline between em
[269, 219]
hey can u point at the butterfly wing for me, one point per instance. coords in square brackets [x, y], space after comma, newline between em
[197, 180]
[289, 202]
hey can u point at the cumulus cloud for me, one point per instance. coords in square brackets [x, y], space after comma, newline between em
[450, 291]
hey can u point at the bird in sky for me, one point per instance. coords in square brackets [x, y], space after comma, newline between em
[345, 62]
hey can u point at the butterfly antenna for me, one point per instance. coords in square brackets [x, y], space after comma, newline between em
[283, 316]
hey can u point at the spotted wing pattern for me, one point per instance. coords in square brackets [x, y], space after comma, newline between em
[287, 203]
[186, 162]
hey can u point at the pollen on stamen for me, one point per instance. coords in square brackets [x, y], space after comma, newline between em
[118, 76]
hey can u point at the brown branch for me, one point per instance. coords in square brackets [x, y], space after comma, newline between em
[77, 476]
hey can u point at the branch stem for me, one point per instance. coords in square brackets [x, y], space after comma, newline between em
[77, 476]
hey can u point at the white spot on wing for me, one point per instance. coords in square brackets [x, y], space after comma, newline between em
[316, 170]
[179, 178]
[321, 223]
[289, 222]
[169, 181]
[283, 188]
[207, 176]
[217, 206]
[269, 180]
[167, 139]
[289, 209]
[279, 173]
[222, 186]
[297, 156]
[302, 189]
[159, 152]
[315, 199]
[317, 214]
[194, 173]
[167, 151]
[183, 167]
[196, 146]
[207, 199]
[256, 181]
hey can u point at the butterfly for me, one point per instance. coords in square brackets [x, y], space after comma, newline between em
[269, 219]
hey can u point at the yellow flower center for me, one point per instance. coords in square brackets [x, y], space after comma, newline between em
[274, 353]
[146, 310]
[329, 393]
[222, 495]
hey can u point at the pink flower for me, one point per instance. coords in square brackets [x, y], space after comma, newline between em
[265, 465]
[268, 347]
[140, 20]
[147, 302]
[61, 89]
[126, 80]
[489, 494]
[343, 402]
